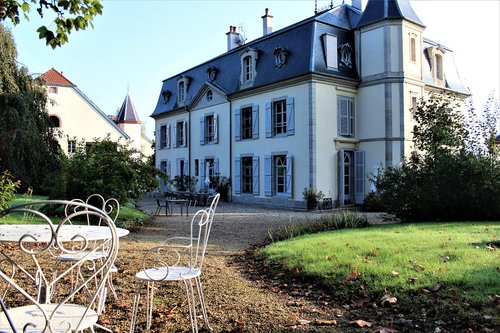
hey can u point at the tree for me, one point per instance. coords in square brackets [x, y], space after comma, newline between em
[28, 144]
[69, 15]
[106, 167]
[447, 179]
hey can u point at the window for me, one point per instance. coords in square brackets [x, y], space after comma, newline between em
[246, 175]
[209, 129]
[182, 87]
[330, 51]
[180, 134]
[346, 116]
[278, 175]
[247, 123]
[71, 146]
[209, 170]
[163, 136]
[165, 168]
[248, 70]
[248, 74]
[280, 119]
[209, 96]
[414, 105]
[439, 66]
[55, 121]
[52, 90]
[413, 49]
[351, 173]
[196, 167]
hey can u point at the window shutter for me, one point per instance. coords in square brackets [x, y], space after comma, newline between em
[255, 121]
[268, 175]
[184, 134]
[216, 166]
[359, 174]
[167, 138]
[289, 175]
[340, 158]
[269, 124]
[237, 125]
[216, 128]
[186, 167]
[202, 130]
[202, 174]
[237, 179]
[162, 137]
[343, 116]
[175, 136]
[290, 116]
[255, 174]
[168, 171]
[178, 167]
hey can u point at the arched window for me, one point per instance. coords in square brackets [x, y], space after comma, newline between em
[248, 67]
[55, 121]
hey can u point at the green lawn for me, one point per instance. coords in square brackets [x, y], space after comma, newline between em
[128, 217]
[400, 259]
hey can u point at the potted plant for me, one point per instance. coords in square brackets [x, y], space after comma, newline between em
[312, 196]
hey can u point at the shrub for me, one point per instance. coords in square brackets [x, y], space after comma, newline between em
[312, 196]
[8, 189]
[345, 219]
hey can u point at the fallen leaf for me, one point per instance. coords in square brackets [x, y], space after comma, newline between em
[361, 323]
[322, 322]
[444, 258]
[437, 287]
[303, 322]
[394, 273]
[353, 276]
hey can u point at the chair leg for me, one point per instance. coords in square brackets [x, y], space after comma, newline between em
[135, 306]
[192, 305]
[202, 303]
[149, 313]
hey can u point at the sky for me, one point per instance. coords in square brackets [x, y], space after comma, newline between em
[136, 44]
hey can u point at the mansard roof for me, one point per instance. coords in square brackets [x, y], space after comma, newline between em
[55, 78]
[378, 10]
[127, 113]
[302, 42]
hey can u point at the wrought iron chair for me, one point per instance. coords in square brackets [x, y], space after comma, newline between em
[112, 208]
[160, 206]
[36, 297]
[177, 259]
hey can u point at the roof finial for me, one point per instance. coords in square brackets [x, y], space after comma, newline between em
[331, 3]
[315, 7]
[128, 88]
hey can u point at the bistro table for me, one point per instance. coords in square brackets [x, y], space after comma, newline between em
[181, 202]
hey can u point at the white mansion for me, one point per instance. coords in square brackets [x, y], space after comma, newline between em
[320, 104]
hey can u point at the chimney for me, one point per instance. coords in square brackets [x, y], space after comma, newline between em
[233, 38]
[357, 4]
[267, 21]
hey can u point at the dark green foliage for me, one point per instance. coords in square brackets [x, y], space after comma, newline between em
[447, 180]
[69, 15]
[28, 145]
[105, 167]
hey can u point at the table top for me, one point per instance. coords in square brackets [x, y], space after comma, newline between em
[13, 232]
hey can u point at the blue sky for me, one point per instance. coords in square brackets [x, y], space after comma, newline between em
[136, 44]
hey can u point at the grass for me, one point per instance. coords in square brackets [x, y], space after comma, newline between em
[458, 260]
[129, 216]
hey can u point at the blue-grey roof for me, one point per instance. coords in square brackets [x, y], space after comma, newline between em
[305, 55]
[127, 113]
[452, 78]
[378, 10]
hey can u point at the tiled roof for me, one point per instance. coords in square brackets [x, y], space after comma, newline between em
[127, 113]
[53, 77]
[378, 10]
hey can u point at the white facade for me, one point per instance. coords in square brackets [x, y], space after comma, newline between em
[287, 119]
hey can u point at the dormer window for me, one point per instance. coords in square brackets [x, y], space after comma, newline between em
[182, 85]
[248, 67]
[436, 59]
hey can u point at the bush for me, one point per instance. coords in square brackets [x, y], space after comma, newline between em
[8, 189]
[312, 196]
[107, 168]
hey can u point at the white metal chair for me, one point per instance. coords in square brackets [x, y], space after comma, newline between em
[36, 297]
[112, 208]
[178, 259]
